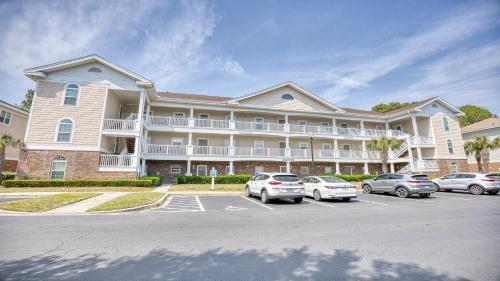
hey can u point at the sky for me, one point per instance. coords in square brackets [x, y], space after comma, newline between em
[352, 53]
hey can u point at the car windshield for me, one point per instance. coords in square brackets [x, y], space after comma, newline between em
[420, 177]
[332, 179]
[286, 178]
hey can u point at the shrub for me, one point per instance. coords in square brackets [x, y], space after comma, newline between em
[8, 176]
[155, 180]
[229, 179]
[75, 183]
[356, 177]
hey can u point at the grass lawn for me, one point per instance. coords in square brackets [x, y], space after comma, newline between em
[76, 189]
[129, 201]
[206, 187]
[45, 203]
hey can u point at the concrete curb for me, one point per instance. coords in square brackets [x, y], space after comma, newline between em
[207, 193]
[138, 208]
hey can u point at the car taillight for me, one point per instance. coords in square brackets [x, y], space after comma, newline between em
[301, 183]
[330, 187]
[274, 182]
[489, 180]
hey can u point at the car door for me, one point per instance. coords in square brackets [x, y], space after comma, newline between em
[253, 184]
[391, 182]
[462, 181]
[379, 182]
[448, 181]
[307, 186]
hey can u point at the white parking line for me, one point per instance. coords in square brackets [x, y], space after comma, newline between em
[199, 204]
[378, 203]
[451, 198]
[267, 207]
[323, 204]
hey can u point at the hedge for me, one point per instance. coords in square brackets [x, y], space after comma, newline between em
[7, 176]
[355, 177]
[76, 183]
[155, 180]
[229, 179]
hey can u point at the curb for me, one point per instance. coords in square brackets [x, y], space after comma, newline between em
[138, 208]
[207, 193]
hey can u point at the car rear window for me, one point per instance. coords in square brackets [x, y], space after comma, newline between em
[332, 179]
[286, 178]
[420, 177]
[493, 176]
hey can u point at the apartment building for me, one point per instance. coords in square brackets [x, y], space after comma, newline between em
[92, 118]
[13, 120]
[490, 128]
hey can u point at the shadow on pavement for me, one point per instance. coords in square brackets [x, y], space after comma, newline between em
[217, 264]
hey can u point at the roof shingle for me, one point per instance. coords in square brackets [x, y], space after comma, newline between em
[193, 97]
[489, 123]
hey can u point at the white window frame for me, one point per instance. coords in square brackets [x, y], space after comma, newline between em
[344, 124]
[281, 119]
[198, 171]
[52, 166]
[279, 144]
[304, 170]
[303, 143]
[175, 169]
[325, 124]
[328, 167]
[448, 142]
[453, 167]
[177, 139]
[325, 144]
[351, 168]
[263, 144]
[72, 130]
[198, 144]
[282, 169]
[350, 147]
[258, 168]
[302, 121]
[207, 114]
[5, 117]
[227, 170]
[77, 95]
[227, 118]
[446, 124]
[180, 113]
[399, 125]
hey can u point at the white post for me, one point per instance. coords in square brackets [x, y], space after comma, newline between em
[366, 169]
[143, 167]
[337, 168]
[138, 139]
[232, 125]
[392, 167]
[231, 145]
[334, 122]
[288, 167]
[414, 124]
[362, 127]
[188, 168]
[231, 167]
[388, 130]
[191, 117]
[287, 125]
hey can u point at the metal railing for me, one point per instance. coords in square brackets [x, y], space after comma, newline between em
[211, 150]
[167, 121]
[119, 125]
[166, 149]
[420, 140]
[258, 126]
[119, 161]
[211, 124]
[258, 152]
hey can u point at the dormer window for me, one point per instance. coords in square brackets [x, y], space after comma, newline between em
[71, 94]
[435, 105]
[287, 97]
[95, 69]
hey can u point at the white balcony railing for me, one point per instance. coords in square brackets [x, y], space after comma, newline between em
[167, 121]
[428, 165]
[420, 140]
[166, 149]
[258, 152]
[117, 161]
[211, 150]
[211, 124]
[119, 125]
[257, 126]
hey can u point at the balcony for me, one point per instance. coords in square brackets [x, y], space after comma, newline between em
[258, 152]
[210, 150]
[120, 127]
[259, 126]
[421, 141]
[112, 162]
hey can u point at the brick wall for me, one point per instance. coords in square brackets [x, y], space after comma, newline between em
[10, 166]
[493, 167]
[36, 164]
[444, 167]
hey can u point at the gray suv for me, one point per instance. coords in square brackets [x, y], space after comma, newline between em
[403, 185]
[476, 184]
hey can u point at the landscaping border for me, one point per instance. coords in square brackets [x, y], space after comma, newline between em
[138, 208]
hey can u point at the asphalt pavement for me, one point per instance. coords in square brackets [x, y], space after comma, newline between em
[449, 236]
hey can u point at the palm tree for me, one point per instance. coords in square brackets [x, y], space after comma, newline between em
[383, 145]
[7, 140]
[480, 147]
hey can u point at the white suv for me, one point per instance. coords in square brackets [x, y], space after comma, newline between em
[275, 186]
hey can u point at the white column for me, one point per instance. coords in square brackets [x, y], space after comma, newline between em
[138, 139]
[143, 167]
[286, 118]
[191, 113]
[414, 125]
[388, 129]
[231, 145]
[188, 168]
[190, 138]
[392, 167]
[189, 148]
[288, 167]
[362, 127]
[363, 144]
[366, 169]
[410, 154]
[232, 125]
[287, 125]
[335, 145]
[231, 167]
[334, 122]
[337, 168]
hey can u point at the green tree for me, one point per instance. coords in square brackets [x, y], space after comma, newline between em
[386, 107]
[473, 114]
[28, 99]
[383, 145]
[7, 140]
[480, 147]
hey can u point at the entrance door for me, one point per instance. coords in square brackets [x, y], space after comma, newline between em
[201, 170]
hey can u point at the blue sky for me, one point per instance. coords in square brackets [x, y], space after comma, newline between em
[352, 53]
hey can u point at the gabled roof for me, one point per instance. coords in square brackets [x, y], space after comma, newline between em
[40, 71]
[14, 108]
[193, 97]
[489, 123]
[294, 86]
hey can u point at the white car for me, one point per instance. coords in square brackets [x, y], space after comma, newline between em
[329, 188]
[275, 186]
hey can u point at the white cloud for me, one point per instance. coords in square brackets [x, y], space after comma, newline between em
[458, 26]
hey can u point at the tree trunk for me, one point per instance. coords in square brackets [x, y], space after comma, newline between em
[2, 162]
[383, 157]
[485, 156]
[479, 162]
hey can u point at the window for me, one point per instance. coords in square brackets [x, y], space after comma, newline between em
[344, 125]
[179, 115]
[304, 170]
[228, 170]
[466, 176]
[281, 121]
[379, 128]
[227, 118]
[282, 169]
[58, 168]
[325, 124]
[394, 177]
[259, 169]
[202, 142]
[259, 123]
[346, 147]
[201, 170]
[177, 141]
[175, 169]
[348, 170]
[303, 145]
[5, 117]
[95, 69]
[328, 170]
[302, 122]
[287, 97]
[453, 167]
[65, 130]
[259, 148]
[327, 146]
[282, 144]
[435, 105]
[450, 146]
[203, 116]
[71, 94]
[446, 126]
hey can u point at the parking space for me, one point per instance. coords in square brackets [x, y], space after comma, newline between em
[238, 204]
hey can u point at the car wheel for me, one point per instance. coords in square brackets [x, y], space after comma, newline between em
[436, 187]
[264, 197]
[346, 199]
[298, 200]
[402, 192]
[317, 195]
[247, 191]
[367, 189]
[476, 189]
[424, 195]
[493, 192]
